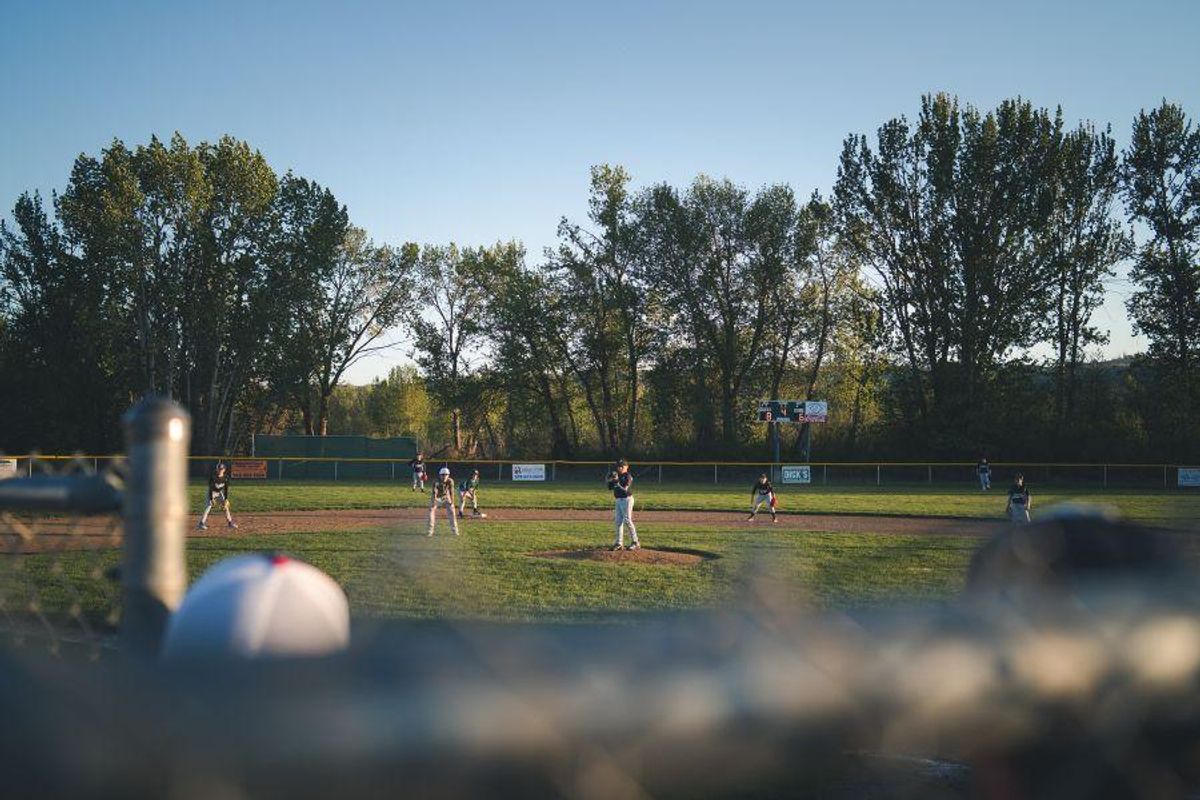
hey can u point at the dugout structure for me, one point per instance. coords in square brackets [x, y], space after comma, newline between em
[338, 457]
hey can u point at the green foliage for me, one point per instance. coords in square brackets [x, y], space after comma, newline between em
[954, 249]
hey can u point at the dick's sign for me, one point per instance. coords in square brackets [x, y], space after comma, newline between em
[797, 474]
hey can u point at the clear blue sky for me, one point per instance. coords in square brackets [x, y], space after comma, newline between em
[475, 122]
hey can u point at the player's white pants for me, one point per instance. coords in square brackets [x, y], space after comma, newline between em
[985, 481]
[624, 516]
[212, 498]
[463, 505]
[419, 480]
[448, 504]
[1018, 513]
[762, 500]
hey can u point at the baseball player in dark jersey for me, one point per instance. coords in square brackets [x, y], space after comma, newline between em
[417, 465]
[762, 492]
[469, 488]
[984, 470]
[442, 496]
[620, 483]
[218, 491]
[1019, 500]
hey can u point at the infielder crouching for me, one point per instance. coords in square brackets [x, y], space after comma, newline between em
[621, 485]
[218, 491]
[469, 489]
[762, 493]
[442, 496]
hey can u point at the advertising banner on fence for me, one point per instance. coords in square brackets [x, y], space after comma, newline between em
[529, 472]
[1189, 476]
[797, 473]
[254, 469]
[8, 468]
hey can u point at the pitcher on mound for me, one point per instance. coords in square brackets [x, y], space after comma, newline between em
[620, 483]
[442, 496]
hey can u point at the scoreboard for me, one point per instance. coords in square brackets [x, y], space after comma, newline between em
[793, 411]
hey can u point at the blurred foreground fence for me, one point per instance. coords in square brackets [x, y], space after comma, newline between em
[720, 473]
[1094, 697]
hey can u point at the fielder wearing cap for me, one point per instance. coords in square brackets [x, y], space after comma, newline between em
[469, 488]
[620, 483]
[417, 465]
[1019, 500]
[762, 493]
[218, 492]
[442, 496]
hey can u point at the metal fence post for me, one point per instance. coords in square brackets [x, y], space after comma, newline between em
[154, 568]
[930, 468]
[877, 478]
[660, 473]
[335, 470]
[714, 474]
[1106, 476]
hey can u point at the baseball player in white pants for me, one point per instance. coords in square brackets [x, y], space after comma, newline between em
[442, 496]
[621, 485]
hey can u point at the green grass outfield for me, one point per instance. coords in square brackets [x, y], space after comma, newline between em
[1176, 508]
[487, 573]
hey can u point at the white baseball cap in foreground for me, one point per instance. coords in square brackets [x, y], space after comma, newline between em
[260, 606]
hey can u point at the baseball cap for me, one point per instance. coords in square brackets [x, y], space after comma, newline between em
[444, 471]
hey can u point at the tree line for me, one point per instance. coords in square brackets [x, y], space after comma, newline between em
[942, 298]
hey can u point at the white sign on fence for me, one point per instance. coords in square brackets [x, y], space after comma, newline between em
[8, 468]
[529, 472]
[797, 474]
[1189, 476]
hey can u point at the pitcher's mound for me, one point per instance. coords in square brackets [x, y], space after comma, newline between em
[666, 558]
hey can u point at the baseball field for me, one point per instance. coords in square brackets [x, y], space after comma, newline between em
[539, 554]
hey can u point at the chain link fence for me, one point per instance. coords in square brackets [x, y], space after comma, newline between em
[60, 535]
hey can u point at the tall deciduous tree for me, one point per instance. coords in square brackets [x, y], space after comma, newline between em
[717, 256]
[1162, 191]
[603, 292]
[1085, 242]
[448, 318]
[527, 319]
[357, 297]
[949, 215]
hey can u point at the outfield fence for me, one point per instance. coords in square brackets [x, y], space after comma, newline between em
[945, 474]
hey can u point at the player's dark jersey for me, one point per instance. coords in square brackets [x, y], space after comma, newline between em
[622, 486]
[1018, 495]
[763, 488]
[443, 490]
[983, 468]
[417, 465]
[469, 485]
[219, 485]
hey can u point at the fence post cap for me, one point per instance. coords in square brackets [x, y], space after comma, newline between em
[156, 417]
